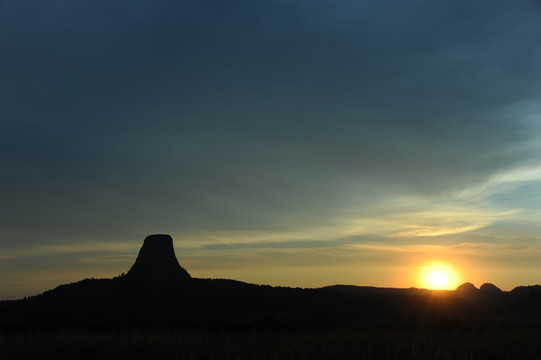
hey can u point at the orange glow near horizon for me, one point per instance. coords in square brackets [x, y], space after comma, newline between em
[438, 276]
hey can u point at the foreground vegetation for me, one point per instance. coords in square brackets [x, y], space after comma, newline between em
[81, 343]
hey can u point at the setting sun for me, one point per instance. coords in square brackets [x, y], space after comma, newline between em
[438, 279]
[437, 276]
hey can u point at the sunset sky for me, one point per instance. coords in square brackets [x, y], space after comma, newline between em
[283, 142]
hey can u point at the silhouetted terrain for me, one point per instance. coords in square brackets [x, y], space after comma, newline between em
[158, 295]
[229, 304]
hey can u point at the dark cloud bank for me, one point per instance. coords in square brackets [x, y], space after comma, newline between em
[119, 117]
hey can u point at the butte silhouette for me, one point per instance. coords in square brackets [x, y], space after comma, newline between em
[157, 261]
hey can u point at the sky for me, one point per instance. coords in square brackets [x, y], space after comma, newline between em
[283, 142]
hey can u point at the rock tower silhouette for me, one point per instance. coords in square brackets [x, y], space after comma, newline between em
[157, 261]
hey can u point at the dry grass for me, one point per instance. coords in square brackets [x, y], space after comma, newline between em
[157, 344]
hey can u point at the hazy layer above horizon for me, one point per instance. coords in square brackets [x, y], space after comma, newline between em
[284, 142]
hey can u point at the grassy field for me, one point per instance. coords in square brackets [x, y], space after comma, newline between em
[157, 344]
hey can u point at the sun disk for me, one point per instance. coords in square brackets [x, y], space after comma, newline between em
[438, 277]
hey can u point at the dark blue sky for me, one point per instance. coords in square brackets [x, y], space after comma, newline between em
[320, 139]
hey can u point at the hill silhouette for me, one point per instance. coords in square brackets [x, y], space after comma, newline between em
[158, 292]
